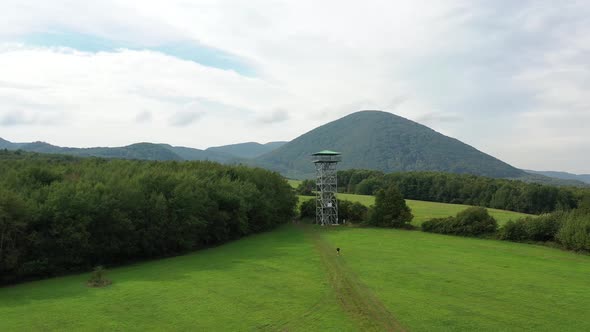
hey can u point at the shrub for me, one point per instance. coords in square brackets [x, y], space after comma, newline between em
[574, 233]
[435, 225]
[98, 278]
[352, 212]
[306, 188]
[358, 213]
[307, 209]
[469, 222]
[541, 229]
[514, 231]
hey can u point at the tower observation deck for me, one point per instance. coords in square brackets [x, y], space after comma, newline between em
[326, 186]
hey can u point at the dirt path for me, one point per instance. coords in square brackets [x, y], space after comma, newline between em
[356, 299]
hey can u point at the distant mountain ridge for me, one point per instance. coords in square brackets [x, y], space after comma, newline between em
[247, 150]
[144, 151]
[563, 175]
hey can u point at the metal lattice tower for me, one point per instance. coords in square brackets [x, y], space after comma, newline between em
[326, 187]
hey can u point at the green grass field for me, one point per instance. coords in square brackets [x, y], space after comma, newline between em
[433, 282]
[294, 183]
[271, 282]
[427, 210]
[291, 280]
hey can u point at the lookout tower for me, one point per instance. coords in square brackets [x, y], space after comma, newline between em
[326, 205]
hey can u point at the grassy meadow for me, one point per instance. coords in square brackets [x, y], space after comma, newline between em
[270, 282]
[427, 210]
[434, 282]
[291, 280]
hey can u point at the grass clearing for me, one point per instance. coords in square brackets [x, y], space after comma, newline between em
[423, 210]
[292, 280]
[294, 183]
[432, 282]
[273, 281]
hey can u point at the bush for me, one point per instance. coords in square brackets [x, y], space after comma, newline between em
[98, 278]
[514, 231]
[574, 233]
[473, 221]
[358, 213]
[540, 229]
[306, 188]
[390, 209]
[307, 209]
[352, 212]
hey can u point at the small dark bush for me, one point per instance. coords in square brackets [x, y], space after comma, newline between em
[470, 222]
[358, 213]
[306, 188]
[307, 209]
[352, 212]
[436, 224]
[514, 231]
[98, 278]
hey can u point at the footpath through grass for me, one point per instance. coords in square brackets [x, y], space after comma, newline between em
[435, 282]
[270, 282]
[357, 300]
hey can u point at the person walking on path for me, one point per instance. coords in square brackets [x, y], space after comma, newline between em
[337, 251]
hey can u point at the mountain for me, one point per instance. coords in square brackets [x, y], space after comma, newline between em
[563, 175]
[144, 151]
[4, 144]
[386, 142]
[247, 150]
[196, 154]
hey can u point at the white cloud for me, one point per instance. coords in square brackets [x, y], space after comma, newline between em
[488, 73]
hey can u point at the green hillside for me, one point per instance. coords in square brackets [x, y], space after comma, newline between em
[291, 280]
[246, 150]
[386, 142]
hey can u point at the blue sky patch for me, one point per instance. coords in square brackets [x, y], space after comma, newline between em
[189, 50]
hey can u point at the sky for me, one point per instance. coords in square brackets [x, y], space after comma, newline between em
[511, 78]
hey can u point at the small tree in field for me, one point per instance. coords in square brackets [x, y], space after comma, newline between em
[390, 209]
[98, 279]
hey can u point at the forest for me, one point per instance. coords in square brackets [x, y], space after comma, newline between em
[61, 214]
[467, 189]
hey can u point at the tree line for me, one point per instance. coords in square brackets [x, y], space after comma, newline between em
[466, 189]
[62, 214]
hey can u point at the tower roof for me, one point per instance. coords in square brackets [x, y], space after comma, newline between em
[326, 153]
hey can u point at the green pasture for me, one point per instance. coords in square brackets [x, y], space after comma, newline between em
[433, 282]
[427, 210]
[294, 183]
[292, 280]
[269, 282]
